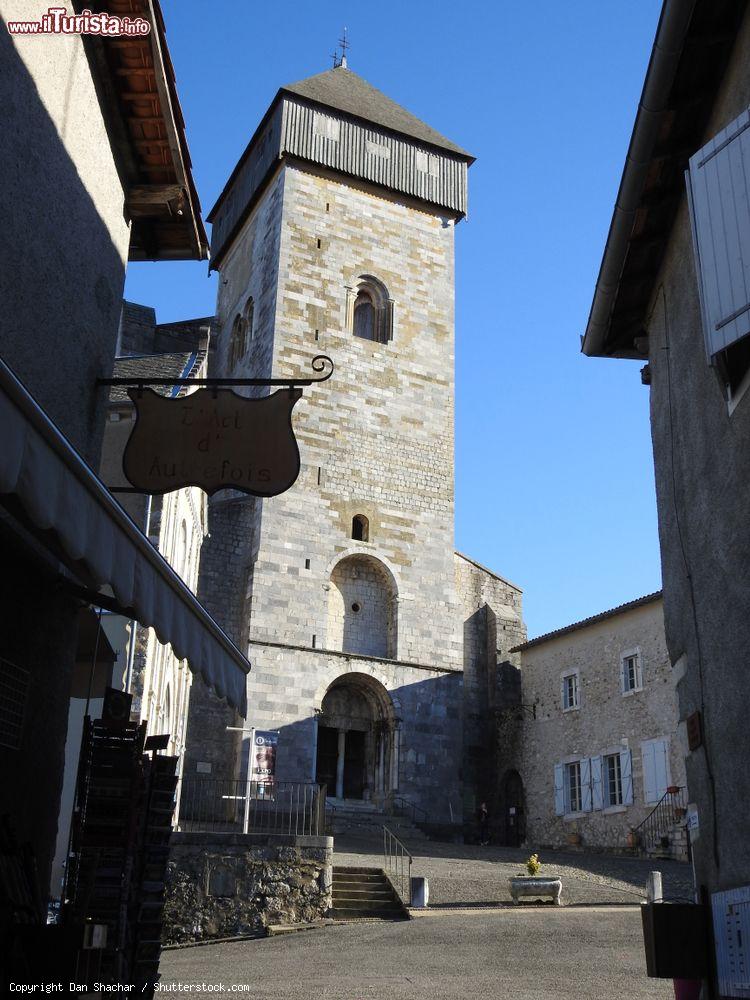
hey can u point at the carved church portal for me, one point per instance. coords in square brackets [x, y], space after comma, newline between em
[357, 751]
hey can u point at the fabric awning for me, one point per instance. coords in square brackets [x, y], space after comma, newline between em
[43, 473]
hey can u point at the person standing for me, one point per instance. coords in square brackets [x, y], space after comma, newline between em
[483, 816]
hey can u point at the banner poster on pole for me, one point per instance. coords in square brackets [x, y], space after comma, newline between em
[264, 761]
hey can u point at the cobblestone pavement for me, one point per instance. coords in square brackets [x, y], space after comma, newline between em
[467, 874]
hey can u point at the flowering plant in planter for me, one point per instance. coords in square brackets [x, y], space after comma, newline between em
[534, 884]
[533, 865]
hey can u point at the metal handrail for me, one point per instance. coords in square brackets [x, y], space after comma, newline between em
[663, 816]
[410, 807]
[397, 863]
[236, 806]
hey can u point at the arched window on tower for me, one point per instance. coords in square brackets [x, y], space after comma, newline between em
[364, 316]
[360, 528]
[248, 317]
[370, 310]
[237, 341]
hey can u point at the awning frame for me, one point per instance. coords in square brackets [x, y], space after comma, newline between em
[95, 566]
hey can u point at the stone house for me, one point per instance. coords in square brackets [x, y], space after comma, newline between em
[672, 293]
[374, 644]
[176, 522]
[599, 744]
[96, 172]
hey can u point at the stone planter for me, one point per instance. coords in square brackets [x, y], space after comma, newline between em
[535, 886]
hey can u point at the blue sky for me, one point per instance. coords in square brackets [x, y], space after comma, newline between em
[554, 480]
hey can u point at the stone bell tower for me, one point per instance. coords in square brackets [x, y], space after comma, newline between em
[335, 235]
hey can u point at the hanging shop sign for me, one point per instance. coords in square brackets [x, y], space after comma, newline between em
[214, 438]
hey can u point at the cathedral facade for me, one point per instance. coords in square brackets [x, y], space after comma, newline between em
[375, 646]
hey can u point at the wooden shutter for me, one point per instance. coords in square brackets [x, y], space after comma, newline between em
[586, 785]
[655, 769]
[597, 792]
[559, 789]
[649, 772]
[626, 777]
[718, 180]
[661, 761]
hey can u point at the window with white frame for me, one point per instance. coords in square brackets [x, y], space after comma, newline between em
[631, 672]
[612, 779]
[612, 774]
[570, 697]
[573, 787]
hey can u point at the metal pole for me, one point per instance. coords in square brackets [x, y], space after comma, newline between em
[248, 782]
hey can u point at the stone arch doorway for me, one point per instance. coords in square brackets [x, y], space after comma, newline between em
[514, 814]
[358, 740]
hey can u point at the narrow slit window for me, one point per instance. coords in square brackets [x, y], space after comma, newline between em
[360, 528]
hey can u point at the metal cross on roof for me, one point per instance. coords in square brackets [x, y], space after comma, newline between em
[344, 43]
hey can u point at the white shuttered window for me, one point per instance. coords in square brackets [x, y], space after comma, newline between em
[718, 192]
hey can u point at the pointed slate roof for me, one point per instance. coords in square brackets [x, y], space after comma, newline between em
[343, 90]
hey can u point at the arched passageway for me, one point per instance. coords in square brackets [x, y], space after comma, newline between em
[357, 740]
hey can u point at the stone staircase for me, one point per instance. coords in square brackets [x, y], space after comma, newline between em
[349, 820]
[673, 845]
[364, 892]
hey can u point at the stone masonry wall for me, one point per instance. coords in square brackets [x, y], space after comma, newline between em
[606, 721]
[377, 439]
[225, 885]
[289, 684]
[362, 609]
[491, 612]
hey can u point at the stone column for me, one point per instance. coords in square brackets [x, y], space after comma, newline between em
[314, 775]
[395, 751]
[340, 764]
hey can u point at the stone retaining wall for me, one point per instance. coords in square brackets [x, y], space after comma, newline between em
[223, 885]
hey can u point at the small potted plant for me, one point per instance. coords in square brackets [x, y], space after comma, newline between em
[534, 884]
[632, 838]
[533, 865]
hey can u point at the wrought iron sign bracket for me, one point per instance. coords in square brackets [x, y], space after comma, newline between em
[214, 438]
[319, 363]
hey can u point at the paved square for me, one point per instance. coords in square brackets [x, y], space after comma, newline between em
[535, 953]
